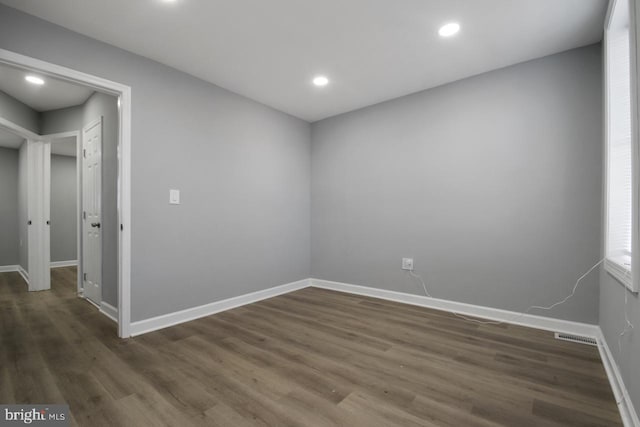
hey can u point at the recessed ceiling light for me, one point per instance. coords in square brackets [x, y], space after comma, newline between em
[448, 30]
[34, 80]
[320, 81]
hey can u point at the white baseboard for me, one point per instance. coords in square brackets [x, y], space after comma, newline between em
[15, 268]
[148, 325]
[96, 305]
[8, 268]
[110, 311]
[627, 411]
[58, 264]
[529, 320]
[24, 274]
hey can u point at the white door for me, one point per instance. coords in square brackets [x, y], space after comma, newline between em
[38, 164]
[92, 213]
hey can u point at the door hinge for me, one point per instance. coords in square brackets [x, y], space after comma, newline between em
[84, 214]
[84, 153]
[121, 227]
[84, 276]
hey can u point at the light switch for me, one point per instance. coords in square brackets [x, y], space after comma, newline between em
[174, 197]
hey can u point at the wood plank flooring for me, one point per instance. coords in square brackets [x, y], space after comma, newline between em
[309, 358]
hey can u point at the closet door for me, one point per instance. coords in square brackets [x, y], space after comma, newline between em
[38, 193]
[92, 211]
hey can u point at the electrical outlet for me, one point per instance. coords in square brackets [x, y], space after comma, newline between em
[407, 264]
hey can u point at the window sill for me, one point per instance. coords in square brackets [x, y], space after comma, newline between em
[620, 269]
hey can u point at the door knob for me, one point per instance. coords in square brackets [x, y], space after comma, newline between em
[95, 224]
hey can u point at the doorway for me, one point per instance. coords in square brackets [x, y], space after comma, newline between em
[38, 151]
[65, 197]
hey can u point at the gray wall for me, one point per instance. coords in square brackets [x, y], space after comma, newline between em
[23, 216]
[492, 184]
[22, 115]
[612, 323]
[62, 120]
[19, 113]
[612, 313]
[9, 254]
[64, 214]
[242, 168]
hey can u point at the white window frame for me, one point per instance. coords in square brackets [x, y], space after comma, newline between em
[622, 273]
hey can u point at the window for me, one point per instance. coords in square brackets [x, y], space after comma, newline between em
[620, 215]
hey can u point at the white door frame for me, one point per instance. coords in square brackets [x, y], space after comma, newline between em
[123, 93]
[74, 134]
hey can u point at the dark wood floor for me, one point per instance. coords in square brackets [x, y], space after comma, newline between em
[309, 358]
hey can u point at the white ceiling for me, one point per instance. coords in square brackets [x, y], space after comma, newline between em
[372, 50]
[52, 95]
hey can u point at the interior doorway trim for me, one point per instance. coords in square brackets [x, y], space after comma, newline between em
[18, 130]
[51, 138]
[123, 93]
